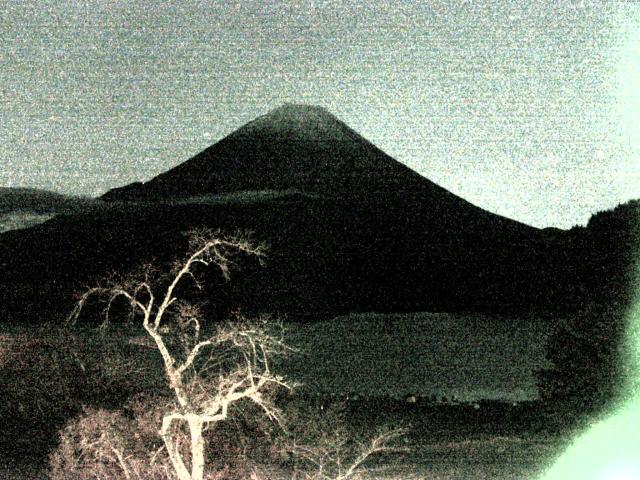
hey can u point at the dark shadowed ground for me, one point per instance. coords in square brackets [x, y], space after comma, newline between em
[377, 360]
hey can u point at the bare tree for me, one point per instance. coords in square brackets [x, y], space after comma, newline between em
[206, 373]
[334, 459]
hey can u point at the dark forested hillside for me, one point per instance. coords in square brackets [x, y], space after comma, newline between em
[326, 256]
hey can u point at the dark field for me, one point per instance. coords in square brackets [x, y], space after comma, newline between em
[474, 439]
[497, 441]
[444, 443]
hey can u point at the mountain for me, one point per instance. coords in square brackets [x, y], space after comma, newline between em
[306, 151]
[349, 229]
[294, 147]
[40, 201]
[26, 207]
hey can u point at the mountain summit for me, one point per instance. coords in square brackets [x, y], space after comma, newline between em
[294, 147]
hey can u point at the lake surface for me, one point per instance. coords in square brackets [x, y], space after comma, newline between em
[466, 357]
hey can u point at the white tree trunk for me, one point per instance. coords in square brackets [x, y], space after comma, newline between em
[172, 450]
[196, 426]
[197, 447]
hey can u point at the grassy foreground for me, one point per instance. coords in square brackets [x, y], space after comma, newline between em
[471, 440]
[445, 443]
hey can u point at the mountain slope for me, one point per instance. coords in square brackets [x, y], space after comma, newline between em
[39, 201]
[26, 207]
[306, 149]
[326, 256]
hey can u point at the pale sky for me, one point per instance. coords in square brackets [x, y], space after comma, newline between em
[532, 112]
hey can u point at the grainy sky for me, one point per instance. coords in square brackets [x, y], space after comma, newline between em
[529, 111]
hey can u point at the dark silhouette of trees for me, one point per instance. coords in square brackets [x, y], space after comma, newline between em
[587, 348]
[587, 351]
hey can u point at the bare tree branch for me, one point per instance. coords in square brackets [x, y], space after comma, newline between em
[332, 459]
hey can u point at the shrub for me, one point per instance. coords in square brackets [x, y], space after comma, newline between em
[46, 376]
[102, 444]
